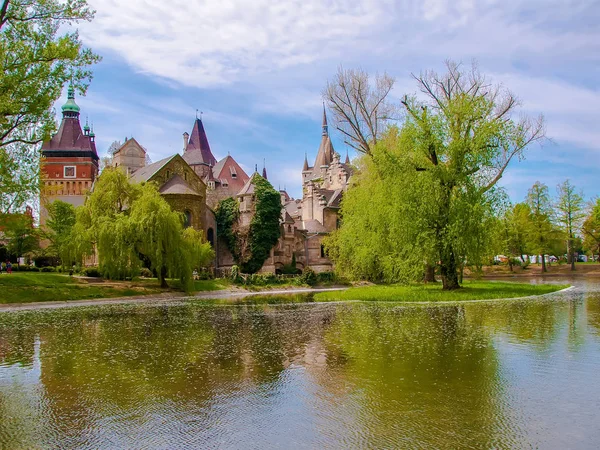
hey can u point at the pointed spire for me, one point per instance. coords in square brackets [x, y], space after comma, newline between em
[325, 128]
[86, 127]
[347, 158]
[264, 172]
[199, 142]
[305, 167]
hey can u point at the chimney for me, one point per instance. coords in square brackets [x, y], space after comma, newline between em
[186, 138]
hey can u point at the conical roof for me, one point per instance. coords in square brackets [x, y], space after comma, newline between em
[197, 150]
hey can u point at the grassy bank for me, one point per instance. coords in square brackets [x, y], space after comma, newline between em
[472, 290]
[27, 287]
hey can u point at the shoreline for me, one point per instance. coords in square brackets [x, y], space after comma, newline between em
[157, 298]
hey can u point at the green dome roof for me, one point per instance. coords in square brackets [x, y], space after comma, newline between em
[70, 106]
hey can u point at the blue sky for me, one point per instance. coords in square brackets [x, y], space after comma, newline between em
[256, 70]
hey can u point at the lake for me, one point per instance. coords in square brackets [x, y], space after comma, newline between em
[289, 374]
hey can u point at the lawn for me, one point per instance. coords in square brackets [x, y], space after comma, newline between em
[27, 287]
[472, 290]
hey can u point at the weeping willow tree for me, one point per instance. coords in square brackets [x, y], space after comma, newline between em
[130, 223]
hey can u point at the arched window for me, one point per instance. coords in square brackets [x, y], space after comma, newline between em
[188, 218]
[210, 236]
[323, 253]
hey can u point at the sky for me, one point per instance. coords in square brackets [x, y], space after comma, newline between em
[256, 70]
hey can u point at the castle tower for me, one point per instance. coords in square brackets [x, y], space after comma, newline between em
[69, 163]
[196, 150]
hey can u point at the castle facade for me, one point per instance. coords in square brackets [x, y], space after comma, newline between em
[194, 182]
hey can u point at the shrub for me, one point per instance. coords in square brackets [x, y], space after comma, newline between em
[235, 274]
[34, 269]
[92, 272]
[309, 277]
[146, 273]
[48, 269]
[45, 261]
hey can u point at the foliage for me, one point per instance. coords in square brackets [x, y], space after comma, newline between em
[570, 211]
[309, 277]
[22, 237]
[450, 152]
[251, 246]
[146, 273]
[541, 231]
[227, 214]
[61, 220]
[36, 59]
[92, 272]
[473, 290]
[591, 228]
[127, 223]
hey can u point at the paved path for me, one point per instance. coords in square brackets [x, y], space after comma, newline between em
[157, 298]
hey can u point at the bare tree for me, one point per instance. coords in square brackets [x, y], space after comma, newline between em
[491, 109]
[361, 108]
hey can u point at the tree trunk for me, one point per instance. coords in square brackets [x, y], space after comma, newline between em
[429, 274]
[510, 264]
[163, 277]
[448, 270]
[544, 263]
[572, 254]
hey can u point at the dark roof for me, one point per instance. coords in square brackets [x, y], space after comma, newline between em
[197, 150]
[177, 185]
[70, 137]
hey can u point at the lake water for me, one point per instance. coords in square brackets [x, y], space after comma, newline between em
[505, 374]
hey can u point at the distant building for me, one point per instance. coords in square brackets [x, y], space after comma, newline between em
[69, 163]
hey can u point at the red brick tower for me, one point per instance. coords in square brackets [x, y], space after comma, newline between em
[69, 160]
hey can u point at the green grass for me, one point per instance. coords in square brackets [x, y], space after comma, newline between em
[472, 290]
[27, 287]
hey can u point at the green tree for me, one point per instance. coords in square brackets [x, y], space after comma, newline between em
[127, 223]
[61, 220]
[591, 229]
[541, 232]
[21, 235]
[37, 58]
[458, 138]
[570, 211]
[512, 230]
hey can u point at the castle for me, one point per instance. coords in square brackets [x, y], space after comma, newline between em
[193, 183]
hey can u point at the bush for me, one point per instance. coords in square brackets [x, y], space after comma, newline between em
[48, 269]
[92, 272]
[309, 277]
[326, 277]
[34, 269]
[146, 273]
[516, 262]
[45, 261]
[235, 274]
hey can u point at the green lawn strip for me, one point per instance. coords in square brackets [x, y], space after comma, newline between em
[472, 290]
[27, 287]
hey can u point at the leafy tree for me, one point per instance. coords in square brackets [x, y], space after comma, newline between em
[126, 223]
[512, 230]
[570, 211]
[61, 220]
[251, 245]
[457, 139]
[541, 231]
[36, 59]
[591, 229]
[21, 235]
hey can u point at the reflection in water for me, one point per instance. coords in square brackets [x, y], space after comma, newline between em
[480, 375]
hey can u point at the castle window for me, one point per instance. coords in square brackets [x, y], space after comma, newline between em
[69, 171]
[234, 175]
[168, 174]
[210, 236]
[323, 251]
[188, 218]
